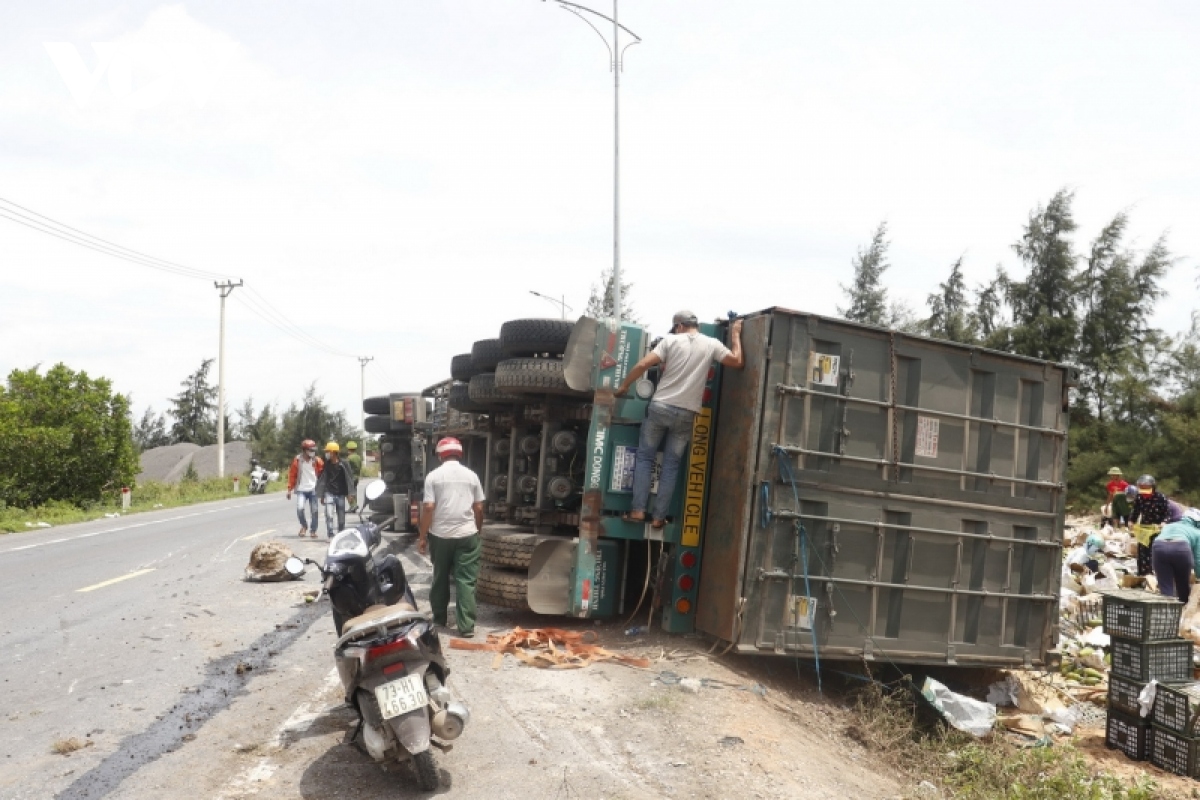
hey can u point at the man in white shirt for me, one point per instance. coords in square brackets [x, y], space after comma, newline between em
[686, 355]
[451, 519]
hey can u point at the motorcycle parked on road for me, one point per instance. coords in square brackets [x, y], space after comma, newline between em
[388, 654]
[259, 478]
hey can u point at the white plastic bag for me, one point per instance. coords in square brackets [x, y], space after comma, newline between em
[965, 713]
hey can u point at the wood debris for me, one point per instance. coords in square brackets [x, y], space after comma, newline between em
[548, 648]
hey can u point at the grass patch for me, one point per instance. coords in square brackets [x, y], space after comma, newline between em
[662, 701]
[966, 768]
[146, 497]
[64, 747]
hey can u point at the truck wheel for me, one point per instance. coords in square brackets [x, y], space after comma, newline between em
[528, 337]
[485, 355]
[378, 423]
[382, 503]
[534, 376]
[379, 518]
[482, 391]
[461, 368]
[498, 587]
[426, 769]
[378, 405]
[460, 400]
[508, 549]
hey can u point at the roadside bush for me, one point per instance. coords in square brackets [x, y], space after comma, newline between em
[63, 436]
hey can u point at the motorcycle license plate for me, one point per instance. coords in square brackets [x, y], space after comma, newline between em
[401, 696]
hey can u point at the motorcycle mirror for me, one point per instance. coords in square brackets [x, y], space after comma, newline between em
[294, 567]
[375, 489]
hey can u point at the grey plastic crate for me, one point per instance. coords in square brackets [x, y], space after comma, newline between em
[1174, 753]
[1167, 661]
[1140, 615]
[1127, 733]
[1176, 707]
[1123, 694]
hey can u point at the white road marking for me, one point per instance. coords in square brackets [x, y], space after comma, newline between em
[72, 689]
[251, 780]
[111, 581]
[127, 527]
[256, 535]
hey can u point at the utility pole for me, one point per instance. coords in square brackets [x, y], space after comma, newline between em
[225, 289]
[362, 390]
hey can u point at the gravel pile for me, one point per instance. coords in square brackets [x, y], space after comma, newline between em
[169, 464]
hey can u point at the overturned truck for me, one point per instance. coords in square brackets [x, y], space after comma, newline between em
[853, 492]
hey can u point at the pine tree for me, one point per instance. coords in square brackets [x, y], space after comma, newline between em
[950, 316]
[194, 409]
[151, 431]
[601, 300]
[1044, 304]
[867, 295]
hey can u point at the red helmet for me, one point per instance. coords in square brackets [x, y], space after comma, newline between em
[449, 445]
[308, 444]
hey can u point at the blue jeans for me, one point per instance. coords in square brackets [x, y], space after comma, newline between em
[309, 499]
[661, 421]
[335, 505]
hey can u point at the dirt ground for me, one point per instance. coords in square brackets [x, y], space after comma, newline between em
[605, 731]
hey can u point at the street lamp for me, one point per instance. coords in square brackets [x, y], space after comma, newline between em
[561, 303]
[616, 54]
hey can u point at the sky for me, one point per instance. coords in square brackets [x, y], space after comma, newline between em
[396, 177]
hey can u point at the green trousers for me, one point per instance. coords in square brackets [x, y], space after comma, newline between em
[459, 557]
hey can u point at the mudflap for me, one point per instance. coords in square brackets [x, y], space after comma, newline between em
[550, 569]
[412, 730]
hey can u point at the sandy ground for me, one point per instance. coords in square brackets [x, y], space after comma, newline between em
[606, 731]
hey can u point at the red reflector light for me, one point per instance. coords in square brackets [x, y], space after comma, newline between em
[683, 605]
[707, 396]
[686, 583]
[388, 649]
[712, 373]
[688, 559]
[392, 669]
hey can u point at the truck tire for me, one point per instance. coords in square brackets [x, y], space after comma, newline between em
[461, 368]
[460, 400]
[379, 423]
[379, 518]
[499, 587]
[382, 504]
[534, 376]
[485, 355]
[482, 391]
[511, 550]
[529, 337]
[378, 405]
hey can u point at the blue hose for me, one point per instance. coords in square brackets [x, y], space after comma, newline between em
[786, 474]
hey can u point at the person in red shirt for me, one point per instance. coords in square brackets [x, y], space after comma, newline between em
[1117, 501]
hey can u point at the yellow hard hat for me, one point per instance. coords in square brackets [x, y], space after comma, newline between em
[332, 447]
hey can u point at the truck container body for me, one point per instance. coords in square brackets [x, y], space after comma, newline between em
[884, 496]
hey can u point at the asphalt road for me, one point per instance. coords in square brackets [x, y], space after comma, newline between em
[126, 633]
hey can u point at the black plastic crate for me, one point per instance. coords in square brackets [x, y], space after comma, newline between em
[1140, 615]
[1176, 707]
[1174, 753]
[1128, 733]
[1168, 661]
[1123, 695]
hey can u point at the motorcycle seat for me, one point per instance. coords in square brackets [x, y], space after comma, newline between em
[377, 616]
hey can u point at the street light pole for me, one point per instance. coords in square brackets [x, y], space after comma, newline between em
[224, 289]
[362, 390]
[617, 55]
[561, 303]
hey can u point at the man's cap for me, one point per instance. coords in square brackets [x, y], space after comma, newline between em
[351, 445]
[685, 317]
[1115, 471]
[449, 445]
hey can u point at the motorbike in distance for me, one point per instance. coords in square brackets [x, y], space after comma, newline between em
[388, 654]
[259, 477]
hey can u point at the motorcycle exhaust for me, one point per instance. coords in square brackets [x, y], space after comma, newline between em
[448, 723]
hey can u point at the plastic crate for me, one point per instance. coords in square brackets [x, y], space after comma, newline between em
[1174, 753]
[1167, 661]
[1139, 615]
[1123, 695]
[1175, 707]
[1127, 733]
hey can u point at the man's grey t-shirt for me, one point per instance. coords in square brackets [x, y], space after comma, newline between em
[454, 489]
[686, 359]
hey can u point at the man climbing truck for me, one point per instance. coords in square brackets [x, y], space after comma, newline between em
[852, 492]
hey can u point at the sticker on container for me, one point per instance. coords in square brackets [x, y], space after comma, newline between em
[927, 436]
[624, 459]
[823, 369]
[805, 610]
